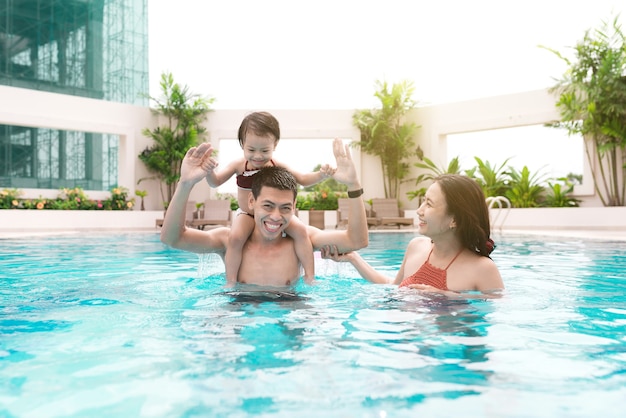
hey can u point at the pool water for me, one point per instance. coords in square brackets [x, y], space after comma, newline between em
[119, 325]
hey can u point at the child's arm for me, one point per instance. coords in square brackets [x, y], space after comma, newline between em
[216, 178]
[304, 249]
[311, 178]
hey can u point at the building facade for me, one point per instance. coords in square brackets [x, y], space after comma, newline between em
[96, 49]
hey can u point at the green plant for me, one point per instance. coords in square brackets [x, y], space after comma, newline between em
[592, 103]
[319, 200]
[184, 113]
[119, 200]
[525, 189]
[303, 202]
[9, 198]
[385, 134]
[433, 171]
[492, 179]
[234, 203]
[559, 194]
[39, 203]
[329, 184]
[71, 199]
[68, 199]
[141, 194]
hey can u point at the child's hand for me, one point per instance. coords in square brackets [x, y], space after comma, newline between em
[330, 252]
[197, 163]
[327, 171]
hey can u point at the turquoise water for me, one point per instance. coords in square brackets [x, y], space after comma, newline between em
[121, 325]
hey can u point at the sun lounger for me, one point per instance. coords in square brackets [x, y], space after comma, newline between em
[386, 212]
[342, 214]
[216, 213]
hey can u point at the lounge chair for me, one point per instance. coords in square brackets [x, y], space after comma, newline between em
[342, 212]
[189, 211]
[387, 212]
[216, 213]
[344, 209]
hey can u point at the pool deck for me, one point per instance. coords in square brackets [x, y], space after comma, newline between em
[595, 234]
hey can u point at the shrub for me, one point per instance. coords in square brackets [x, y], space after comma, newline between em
[9, 198]
[68, 199]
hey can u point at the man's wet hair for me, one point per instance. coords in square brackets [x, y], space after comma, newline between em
[275, 177]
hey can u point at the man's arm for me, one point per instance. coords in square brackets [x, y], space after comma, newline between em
[356, 235]
[195, 166]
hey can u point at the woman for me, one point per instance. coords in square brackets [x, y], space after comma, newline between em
[453, 254]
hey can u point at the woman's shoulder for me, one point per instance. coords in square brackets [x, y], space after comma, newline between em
[483, 270]
[420, 242]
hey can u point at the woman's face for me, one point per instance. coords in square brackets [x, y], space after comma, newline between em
[434, 219]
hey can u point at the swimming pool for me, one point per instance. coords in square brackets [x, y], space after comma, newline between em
[120, 325]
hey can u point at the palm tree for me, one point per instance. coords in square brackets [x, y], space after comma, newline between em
[184, 113]
[592, 102]
[385, 134]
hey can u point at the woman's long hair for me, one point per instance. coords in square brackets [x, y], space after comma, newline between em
[466, 203]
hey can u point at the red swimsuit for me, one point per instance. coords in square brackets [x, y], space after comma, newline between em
[244, 180]
[430, 275]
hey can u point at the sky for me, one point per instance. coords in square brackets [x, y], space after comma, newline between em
[327, 54]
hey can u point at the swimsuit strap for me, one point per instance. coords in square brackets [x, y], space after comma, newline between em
[457, 254]
[245, 166]
[450, 263]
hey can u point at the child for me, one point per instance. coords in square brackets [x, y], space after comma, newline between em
[259, 133]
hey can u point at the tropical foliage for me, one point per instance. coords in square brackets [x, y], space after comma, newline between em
[184, 113]
[432, 171]
[492, 179]
[559, 195]
[523, 188]
[592, 103]
[385, 133]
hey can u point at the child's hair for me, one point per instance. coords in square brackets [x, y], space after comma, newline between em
[262, 124]
[275, 177]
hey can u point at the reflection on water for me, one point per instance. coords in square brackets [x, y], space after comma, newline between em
[120, 325]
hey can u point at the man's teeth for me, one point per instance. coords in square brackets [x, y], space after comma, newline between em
[272, 227]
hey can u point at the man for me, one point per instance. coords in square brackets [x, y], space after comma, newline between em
[269, 257]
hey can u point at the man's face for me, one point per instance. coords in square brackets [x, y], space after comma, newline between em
[273, 210]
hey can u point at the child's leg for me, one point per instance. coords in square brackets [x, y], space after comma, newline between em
[240, 230]
[304, 249]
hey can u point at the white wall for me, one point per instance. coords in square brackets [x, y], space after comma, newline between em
[49, 110]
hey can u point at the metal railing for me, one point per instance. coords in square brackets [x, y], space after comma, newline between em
[498, 202]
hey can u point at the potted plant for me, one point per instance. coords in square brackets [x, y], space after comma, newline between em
[384, 134]
[592, 103]
[141, 194]
[199, 213]
[184, 114]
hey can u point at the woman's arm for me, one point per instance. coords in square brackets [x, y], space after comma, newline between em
[365, 270]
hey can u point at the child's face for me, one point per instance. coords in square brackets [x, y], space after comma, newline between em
[258, 150]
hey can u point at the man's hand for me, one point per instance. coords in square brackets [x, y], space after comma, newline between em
[197, 163]
[345, 172]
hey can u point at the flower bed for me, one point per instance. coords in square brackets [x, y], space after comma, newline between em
[68, 199]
